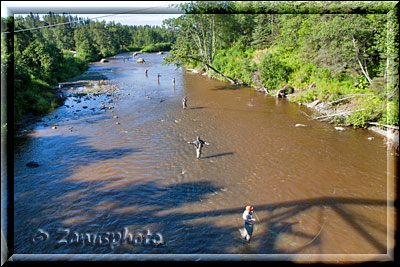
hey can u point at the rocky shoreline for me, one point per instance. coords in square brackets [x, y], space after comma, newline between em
[81, 88]
[325, 111]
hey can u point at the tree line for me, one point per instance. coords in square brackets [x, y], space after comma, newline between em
[44, 55]
[327, 50]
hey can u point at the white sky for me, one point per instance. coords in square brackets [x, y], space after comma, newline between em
[139, 12]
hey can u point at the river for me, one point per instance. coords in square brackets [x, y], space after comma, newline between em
[318, 193]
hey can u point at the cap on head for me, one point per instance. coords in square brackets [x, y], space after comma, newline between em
[249, 208]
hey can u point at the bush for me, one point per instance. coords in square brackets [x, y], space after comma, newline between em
[35, 95]
[41, 105]
[134, 48]
[306, 97]
[369, 110]
[236, 62]
[157, 47]
[274, 73]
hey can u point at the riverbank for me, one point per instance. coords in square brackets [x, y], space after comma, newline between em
[334, 112]
[85, 83]
[88, 85]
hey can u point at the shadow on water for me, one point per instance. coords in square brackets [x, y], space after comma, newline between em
[226, 87]
[57, 158]
[76, 154]
[57, 203]
[196, 107]
[46, 199]
[218, 155]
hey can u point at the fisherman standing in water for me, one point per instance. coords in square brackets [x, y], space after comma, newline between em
[184, 100]
[247, 216]
[198, 143]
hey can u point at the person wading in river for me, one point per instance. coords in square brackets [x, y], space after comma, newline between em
[184, 104]
[198, 143]
[247, 216]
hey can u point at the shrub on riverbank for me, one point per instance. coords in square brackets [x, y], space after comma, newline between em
[156, 47]
[274, 73]
[278, 67]
[322, 55]
[36, 94]
[236, 62]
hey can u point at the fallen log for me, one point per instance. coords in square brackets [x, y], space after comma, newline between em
[384, 125]
[220, 74]
[338, 114]
[208, 66]
[347, 97]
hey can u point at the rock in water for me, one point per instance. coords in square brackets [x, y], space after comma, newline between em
[32, 164]
[339, 129]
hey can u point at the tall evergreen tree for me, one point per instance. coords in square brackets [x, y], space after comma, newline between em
[262, 32]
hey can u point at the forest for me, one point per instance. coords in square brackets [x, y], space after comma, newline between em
[41, 55]
[331, 51]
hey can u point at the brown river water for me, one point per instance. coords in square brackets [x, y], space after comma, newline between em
[319, 194]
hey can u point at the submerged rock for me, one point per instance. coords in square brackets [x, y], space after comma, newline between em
[32, 164]
[339, 128]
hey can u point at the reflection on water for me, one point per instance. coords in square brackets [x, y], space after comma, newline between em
[123, 162]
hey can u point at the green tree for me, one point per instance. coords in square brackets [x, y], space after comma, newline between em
[84, 44]
[198, 37]
[262, 32]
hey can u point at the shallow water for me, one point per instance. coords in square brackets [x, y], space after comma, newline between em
[316, 191]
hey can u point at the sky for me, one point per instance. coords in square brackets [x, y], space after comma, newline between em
[134, 12]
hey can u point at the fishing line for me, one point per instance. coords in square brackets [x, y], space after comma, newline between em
[315, 237]
[293, 243]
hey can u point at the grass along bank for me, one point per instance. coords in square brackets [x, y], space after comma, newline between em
[340, 100]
